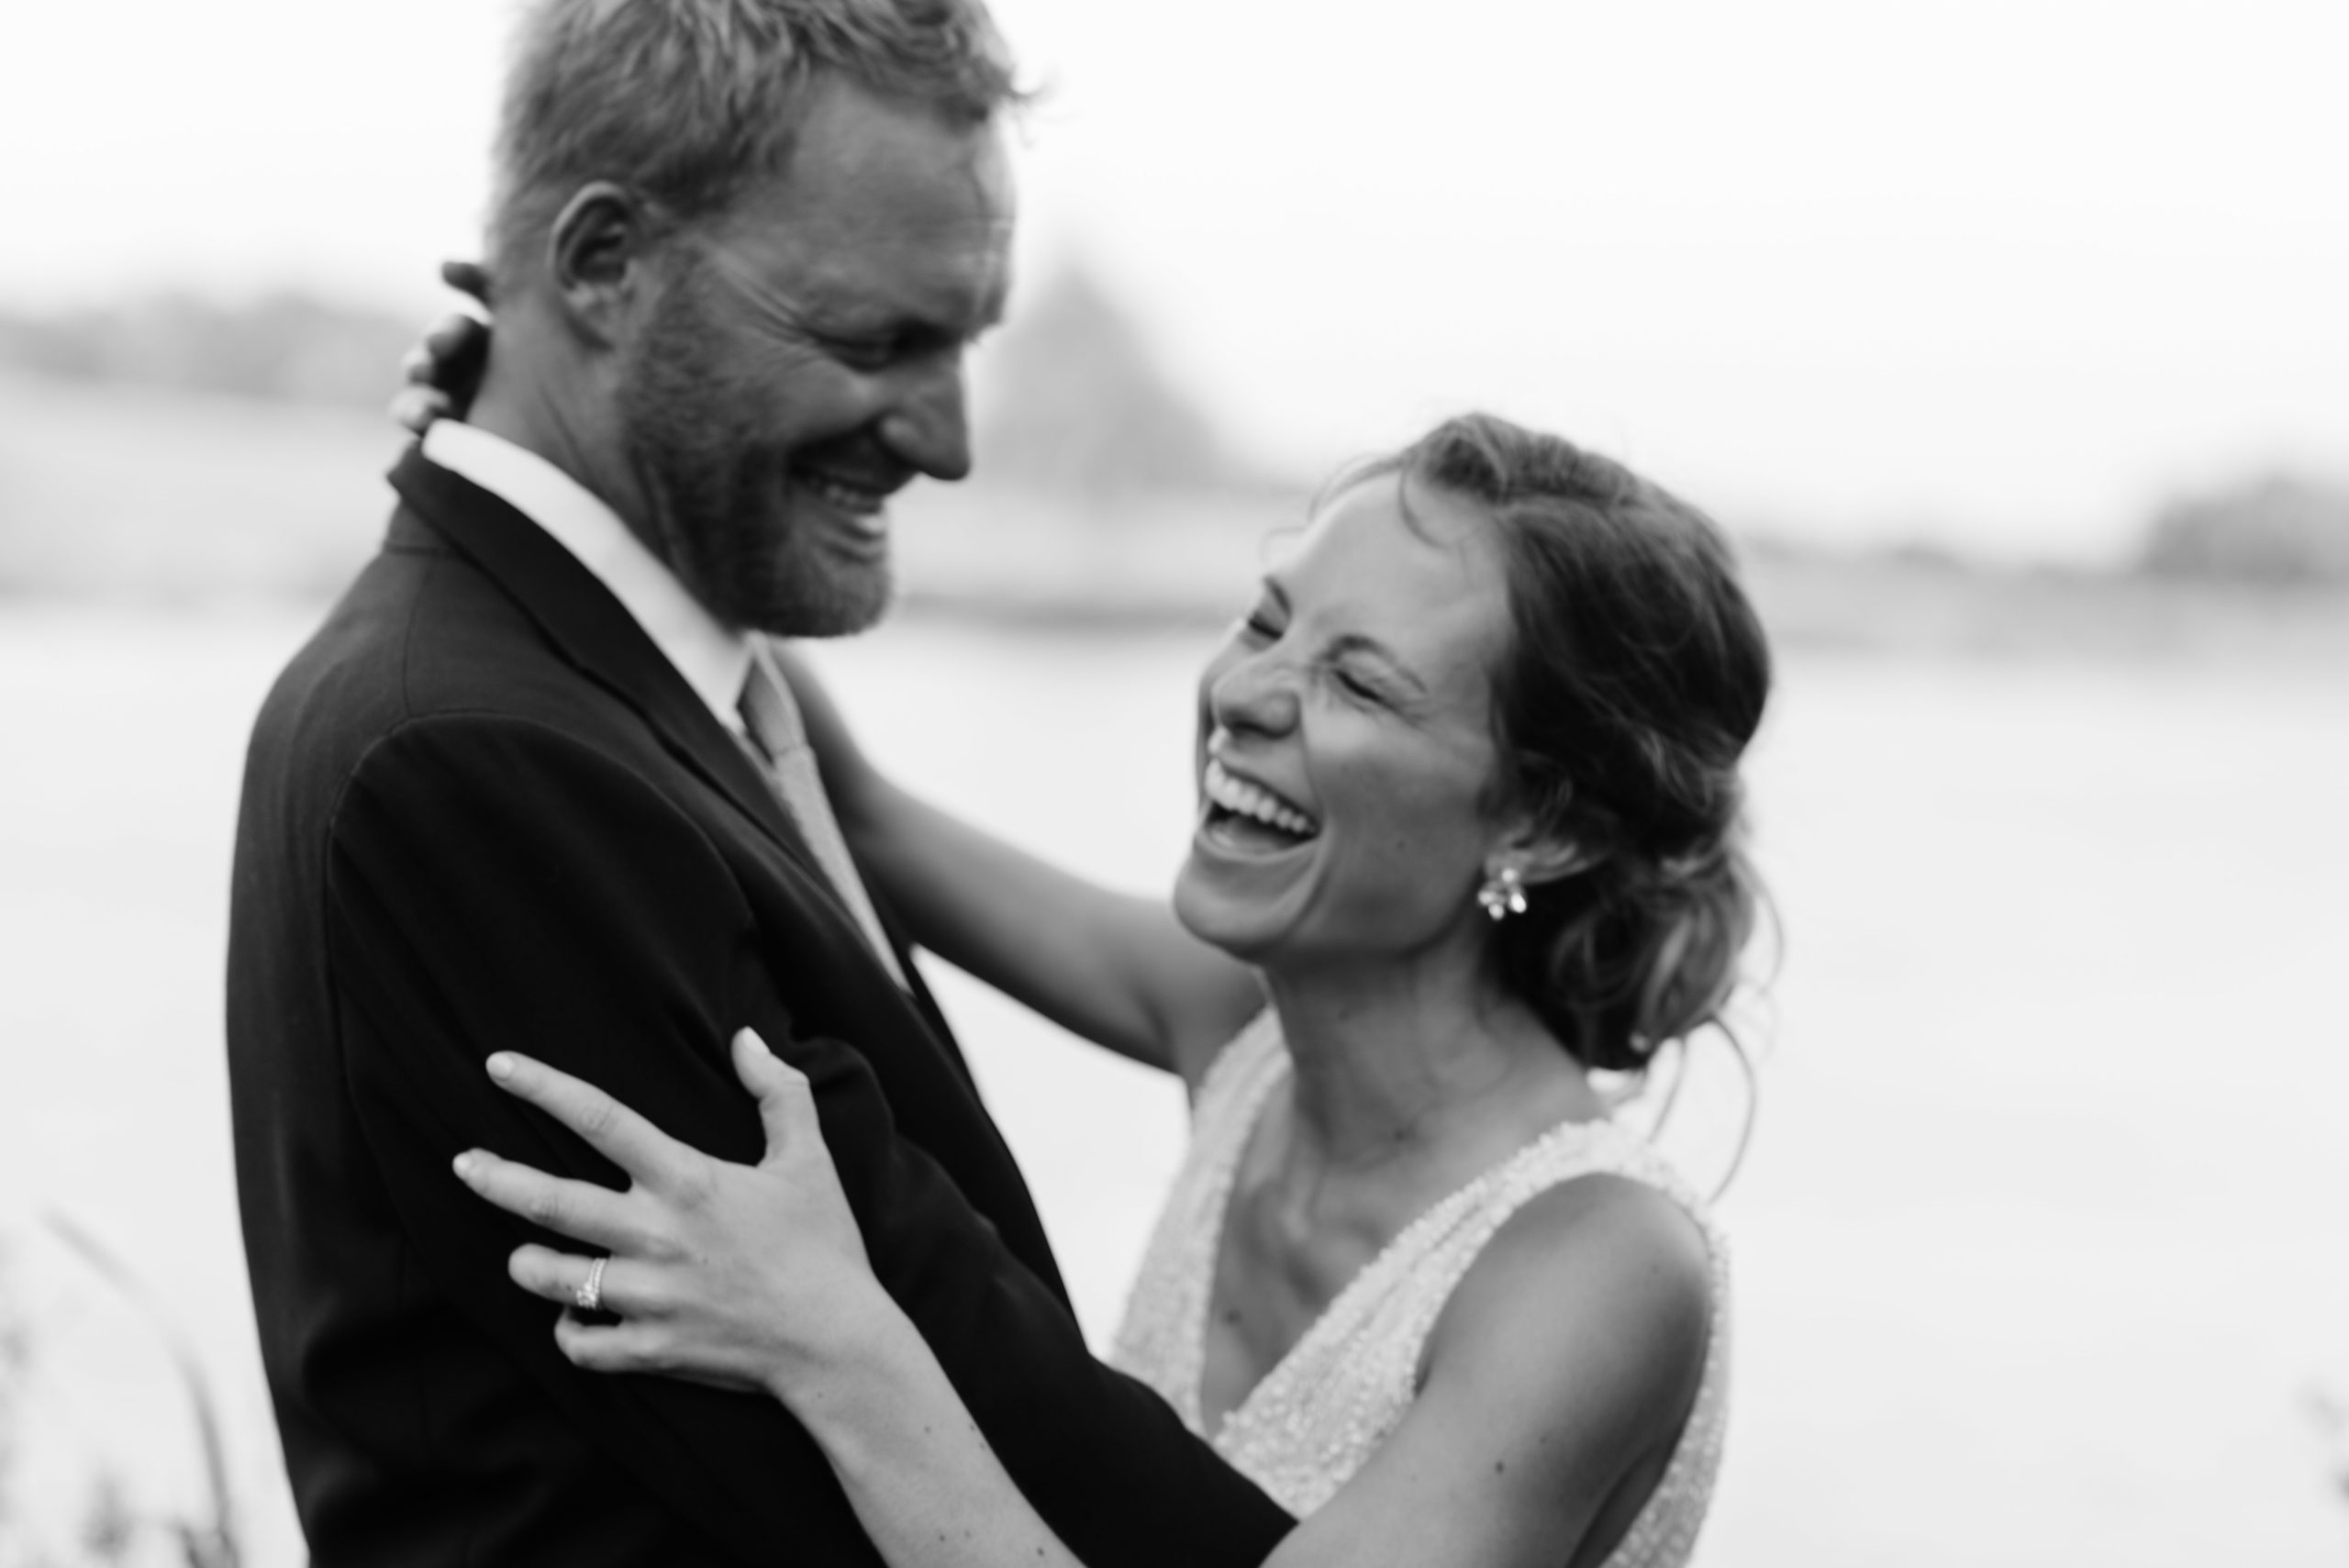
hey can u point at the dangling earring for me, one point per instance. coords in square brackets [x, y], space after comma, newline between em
[1503, 893]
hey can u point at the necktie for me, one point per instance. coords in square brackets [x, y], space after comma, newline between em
[779, 742]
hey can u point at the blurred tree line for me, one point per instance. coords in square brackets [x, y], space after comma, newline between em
[1073, 403]
[2278, 529]
[280, 348]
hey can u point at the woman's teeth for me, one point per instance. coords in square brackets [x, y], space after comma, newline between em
[1253, 801]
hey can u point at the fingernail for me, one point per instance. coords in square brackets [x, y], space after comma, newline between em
[501, 1066]
[464, 1165]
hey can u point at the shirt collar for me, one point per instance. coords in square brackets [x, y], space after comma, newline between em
[714, 659]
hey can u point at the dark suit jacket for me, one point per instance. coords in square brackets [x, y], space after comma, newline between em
[482, 811]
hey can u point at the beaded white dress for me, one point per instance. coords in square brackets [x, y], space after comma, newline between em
[1346, 1383]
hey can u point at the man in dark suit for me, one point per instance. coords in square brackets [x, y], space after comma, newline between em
[534, 785]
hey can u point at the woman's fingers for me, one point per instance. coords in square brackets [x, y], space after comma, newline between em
[581, 1211]
[606, 1346]
[467, 277]
[438, 377]
[451, 342]
[787, 1103]
[642, 1347]
[644, 1339]
[558, 1276]
[415, 407]
[613, 1131]
[450, 360]
[625, 1287]
[797, 1167]
[708, 1271]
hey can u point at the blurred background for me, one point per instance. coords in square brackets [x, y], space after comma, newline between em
[2008, 340]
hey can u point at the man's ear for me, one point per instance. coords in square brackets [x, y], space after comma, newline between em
[597, 254]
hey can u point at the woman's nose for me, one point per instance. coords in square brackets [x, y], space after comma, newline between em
[1253, 694]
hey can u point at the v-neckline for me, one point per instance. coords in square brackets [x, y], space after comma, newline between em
[1250, 1117]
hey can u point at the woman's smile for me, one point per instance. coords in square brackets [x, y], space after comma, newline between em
[1248, 818]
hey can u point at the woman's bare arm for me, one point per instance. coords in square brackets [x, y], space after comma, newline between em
[1558, 1377]
[1115, 969]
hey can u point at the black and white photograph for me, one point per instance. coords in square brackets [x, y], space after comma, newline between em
[1045, 783]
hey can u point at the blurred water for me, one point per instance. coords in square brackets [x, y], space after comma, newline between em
[2039, 1248]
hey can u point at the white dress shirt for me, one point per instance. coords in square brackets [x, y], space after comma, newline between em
[714, 659]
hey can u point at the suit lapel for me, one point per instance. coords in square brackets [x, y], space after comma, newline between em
[598, 635]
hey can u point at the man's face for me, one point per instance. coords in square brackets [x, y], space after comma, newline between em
[804, 359]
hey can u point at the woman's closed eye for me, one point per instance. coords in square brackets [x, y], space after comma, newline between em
[1357, 685]
[1365, 674]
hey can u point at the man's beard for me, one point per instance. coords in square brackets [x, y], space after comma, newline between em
[719, 490]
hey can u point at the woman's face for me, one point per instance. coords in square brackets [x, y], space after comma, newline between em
[1347, 756]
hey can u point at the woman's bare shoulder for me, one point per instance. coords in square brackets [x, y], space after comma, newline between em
[1595, 1295]
[1561, 1369]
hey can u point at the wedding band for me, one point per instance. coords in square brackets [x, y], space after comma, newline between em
[590, 1295]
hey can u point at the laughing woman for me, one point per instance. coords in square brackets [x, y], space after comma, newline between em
[1469, 831]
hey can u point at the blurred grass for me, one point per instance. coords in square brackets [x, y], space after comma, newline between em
[81, 1505]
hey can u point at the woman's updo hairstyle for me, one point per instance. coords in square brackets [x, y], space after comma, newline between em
[1634, 679]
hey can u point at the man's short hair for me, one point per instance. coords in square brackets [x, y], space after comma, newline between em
[689, 102]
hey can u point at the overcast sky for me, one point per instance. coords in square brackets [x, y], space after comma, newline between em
[2002, 273]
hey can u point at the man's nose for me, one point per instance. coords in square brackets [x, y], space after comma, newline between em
[931, 425]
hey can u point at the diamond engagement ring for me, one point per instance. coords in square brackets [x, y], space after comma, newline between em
[590, 1295]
